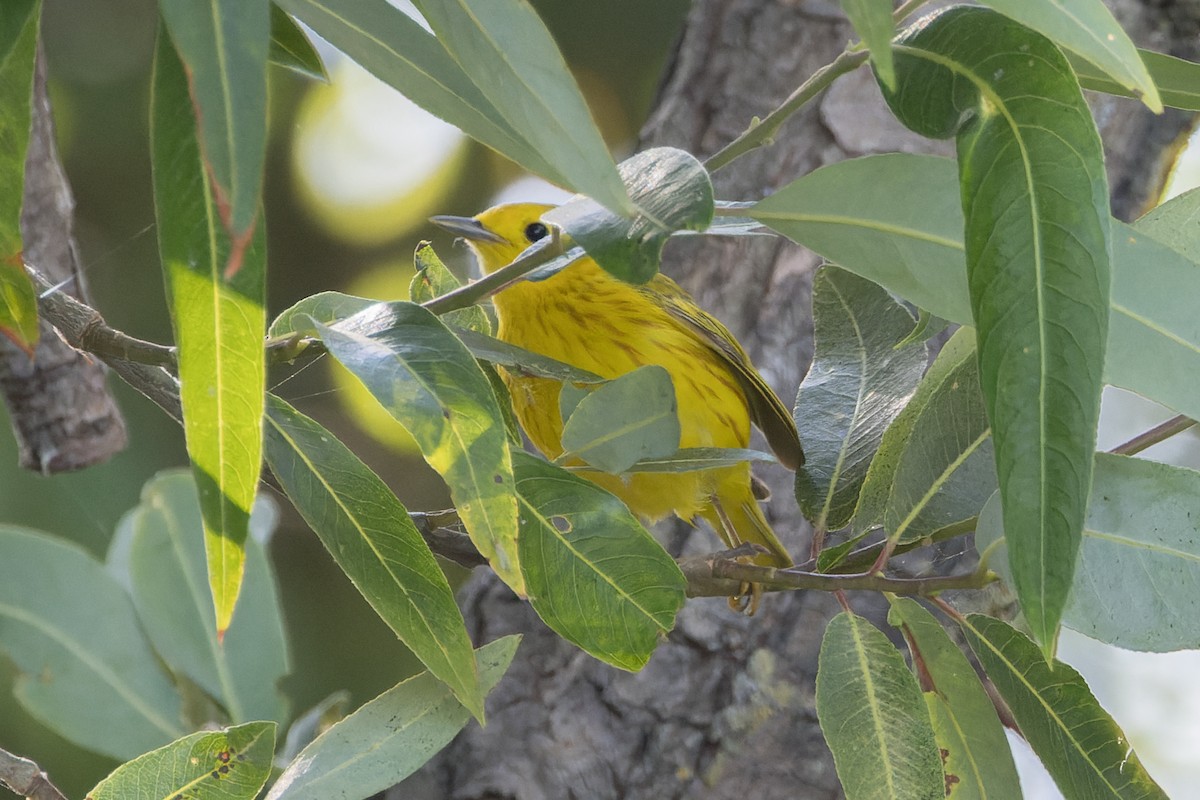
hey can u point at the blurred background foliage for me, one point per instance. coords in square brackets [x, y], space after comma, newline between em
[353, 170]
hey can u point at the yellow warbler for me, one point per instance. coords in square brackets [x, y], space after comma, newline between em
[584, 317]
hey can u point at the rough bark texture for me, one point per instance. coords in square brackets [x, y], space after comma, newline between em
[725, 708]
[62, 413]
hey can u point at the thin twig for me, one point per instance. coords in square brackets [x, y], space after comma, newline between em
[907, 9]
[26, 778]
[719, 575]
[763, 131]
[488, 285]
[1159, 433]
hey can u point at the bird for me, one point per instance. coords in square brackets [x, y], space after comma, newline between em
[587, 318]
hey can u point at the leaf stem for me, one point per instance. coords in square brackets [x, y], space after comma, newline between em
[762, 132]
[26, 778]
[1159, 433]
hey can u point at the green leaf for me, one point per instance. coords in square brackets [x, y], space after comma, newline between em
[1178, 80]
[18, 44]
[594, 574]
[510, 55]
[672, 192]
[1174, 223]
[218, 319]
[424, 376]
[389, 738]
[223, 45]
[324, 307]
[927, 327]
[873, 716]
[391, 46]
[624, 421]
[311, 724]
[856, 386]
[291, 49]
[432, 280]
[847, 212]
[86, 670]
[1136, 585]
[174, 603]
[694, 459]
[230, 764]
[935, 465]
[1035, 200]
[1080, 744]
[872, 20]
[369, 533]
[975, 754]
[836, 209]
[520, 361]
[1088, 28]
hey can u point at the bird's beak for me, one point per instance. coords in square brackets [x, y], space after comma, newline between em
[469, 228]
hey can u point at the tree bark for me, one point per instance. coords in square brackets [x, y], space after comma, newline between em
[725, 708]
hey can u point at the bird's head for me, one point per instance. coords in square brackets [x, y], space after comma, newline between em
[499, 234]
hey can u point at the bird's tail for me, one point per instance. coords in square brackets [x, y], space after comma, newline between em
[737, 518]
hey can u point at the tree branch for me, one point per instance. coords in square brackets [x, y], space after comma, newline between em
[26, 778]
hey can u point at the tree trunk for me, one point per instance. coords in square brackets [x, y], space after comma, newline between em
[725, 708]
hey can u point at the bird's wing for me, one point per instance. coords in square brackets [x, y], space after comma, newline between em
[766, 409]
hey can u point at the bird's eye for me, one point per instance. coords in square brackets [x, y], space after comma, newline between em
[535, 231]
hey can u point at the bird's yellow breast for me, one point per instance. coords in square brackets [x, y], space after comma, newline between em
[586, 318]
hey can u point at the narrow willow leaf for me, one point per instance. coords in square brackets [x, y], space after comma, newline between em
[1035, 200]
[521, 361]
[873, 716]
[975, 754]
[389, 738]
[369, 533]
[872, 21]
[858, 383]
[324, 307]
[424, 376]
[229, 764]
[1178, 81]
[1082, 747]
[693, 459]
[594, 574]
[624, 420]
[1174, 223]
[18, 43]
[843, 211]
[434, 279]
[847, 213]
[934, 466]
[170, 591]
[510, 55]
[1137, 585]
[290, 47]
[398, 51]
[85, 668]
[672, 191]
[1088, 28]
[218, 320]
[223, 45]
[312, 723]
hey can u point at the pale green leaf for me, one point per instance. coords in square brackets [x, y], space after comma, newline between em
[290, 47]
[1178, 80]
[624, 421]
[509, 54]
[389, 738]
[230, 764]
[1088, 28]
[872, 20]
[873, 716]
[84, 666]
